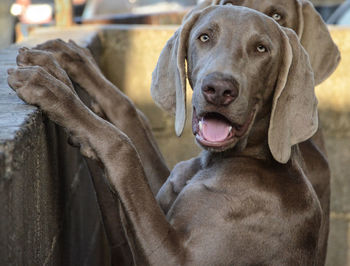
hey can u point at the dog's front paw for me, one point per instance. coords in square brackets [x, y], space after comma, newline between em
[44, 59]
[36, 86]
[75, 60]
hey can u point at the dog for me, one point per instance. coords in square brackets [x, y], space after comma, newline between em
[246, 199]
[301, 16]
[295, 14]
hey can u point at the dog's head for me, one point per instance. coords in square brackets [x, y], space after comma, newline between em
[239, 62]
[300, 16]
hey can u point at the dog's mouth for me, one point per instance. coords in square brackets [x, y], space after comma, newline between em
[213, 130]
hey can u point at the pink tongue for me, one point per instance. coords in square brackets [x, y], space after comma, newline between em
[214, 129]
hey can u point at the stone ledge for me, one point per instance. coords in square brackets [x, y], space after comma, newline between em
[43, 204]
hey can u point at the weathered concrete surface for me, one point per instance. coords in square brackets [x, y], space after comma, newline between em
[49, 214]
[29, 200]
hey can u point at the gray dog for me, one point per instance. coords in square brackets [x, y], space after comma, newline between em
[301, 16]
[246, 199]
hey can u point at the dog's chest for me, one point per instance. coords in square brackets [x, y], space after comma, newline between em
[213, 197]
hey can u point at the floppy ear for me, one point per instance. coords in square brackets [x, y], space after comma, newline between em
[168, 88]
[294, 108]
[317, 41]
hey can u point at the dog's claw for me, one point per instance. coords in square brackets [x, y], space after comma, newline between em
[23, 49]
[10, 71]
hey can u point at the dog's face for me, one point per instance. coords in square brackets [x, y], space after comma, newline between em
[284, 12]
[233, 63]
[304, 20]
[240, 63]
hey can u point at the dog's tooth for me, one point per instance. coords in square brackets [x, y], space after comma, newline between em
[230, 128]
[200, 125]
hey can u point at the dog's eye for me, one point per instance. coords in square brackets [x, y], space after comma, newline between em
[204, 38]
[276, 16]
[261, 48]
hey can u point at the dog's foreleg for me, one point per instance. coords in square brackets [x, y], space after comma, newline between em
[154, 240]
[116, 106]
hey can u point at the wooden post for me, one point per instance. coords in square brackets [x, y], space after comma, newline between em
[64, 13]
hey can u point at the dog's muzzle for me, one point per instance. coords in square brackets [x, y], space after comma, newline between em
[213, 130]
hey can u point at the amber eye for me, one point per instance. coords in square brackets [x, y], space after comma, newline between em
[204, 38]
[276, 17]
[261, 48]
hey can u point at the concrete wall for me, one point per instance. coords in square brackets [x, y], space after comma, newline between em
[49, 214]
[47, 197]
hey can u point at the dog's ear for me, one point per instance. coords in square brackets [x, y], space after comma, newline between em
[317, 41]
[294, 109]
[168, 86]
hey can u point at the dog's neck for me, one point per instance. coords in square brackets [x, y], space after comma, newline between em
[257, 143]
[257, 140]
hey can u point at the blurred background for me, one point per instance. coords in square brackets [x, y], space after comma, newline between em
[18, 16]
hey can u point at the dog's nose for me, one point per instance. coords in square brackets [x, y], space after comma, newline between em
[219, 91]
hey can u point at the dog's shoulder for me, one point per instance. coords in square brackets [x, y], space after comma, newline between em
[179, 176]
